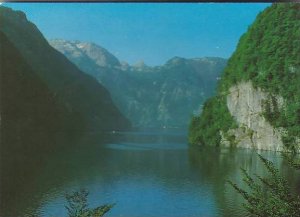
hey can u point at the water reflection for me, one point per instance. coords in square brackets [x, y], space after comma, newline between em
[23, 160]
[146, 174]
[143, 182]
[218, 165]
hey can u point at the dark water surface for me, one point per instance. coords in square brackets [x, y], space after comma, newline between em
[145, 173]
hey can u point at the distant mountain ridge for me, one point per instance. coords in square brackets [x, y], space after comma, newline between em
[78, 92]
[160, 96]
[87, 52]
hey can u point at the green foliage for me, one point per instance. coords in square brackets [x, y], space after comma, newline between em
[272, 197]
[291, 161]
[78, 205]
[205, 129]
[268, 56]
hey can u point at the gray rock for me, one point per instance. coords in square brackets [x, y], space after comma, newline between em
[246, 105]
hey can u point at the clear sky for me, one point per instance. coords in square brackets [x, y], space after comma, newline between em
[153, 32]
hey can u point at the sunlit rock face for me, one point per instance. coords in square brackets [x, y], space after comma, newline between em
[246, 104]
[86, 51]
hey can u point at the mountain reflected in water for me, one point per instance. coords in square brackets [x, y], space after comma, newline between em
[146, 173]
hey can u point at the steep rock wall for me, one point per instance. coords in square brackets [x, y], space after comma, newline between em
[246, 105]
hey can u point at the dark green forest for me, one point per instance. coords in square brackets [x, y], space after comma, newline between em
[267, 55]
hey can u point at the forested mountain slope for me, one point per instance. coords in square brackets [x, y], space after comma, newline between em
[258, 99]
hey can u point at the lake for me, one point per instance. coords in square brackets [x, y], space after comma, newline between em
[146, 173]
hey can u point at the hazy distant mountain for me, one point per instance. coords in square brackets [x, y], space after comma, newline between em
[86, 53]
[78, 92]
[158, 96]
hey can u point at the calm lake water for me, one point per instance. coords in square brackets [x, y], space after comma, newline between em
[145, 173]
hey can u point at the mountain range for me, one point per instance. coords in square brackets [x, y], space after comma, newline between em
[77, 93]
[160, 96]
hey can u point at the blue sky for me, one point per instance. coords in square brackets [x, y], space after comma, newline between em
[153, 32]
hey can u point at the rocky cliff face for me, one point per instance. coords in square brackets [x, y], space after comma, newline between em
[257, 102]
[246, 104]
